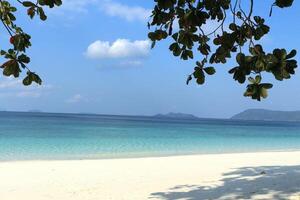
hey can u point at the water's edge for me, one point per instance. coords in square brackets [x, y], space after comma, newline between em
[42, 136]
[150, 156]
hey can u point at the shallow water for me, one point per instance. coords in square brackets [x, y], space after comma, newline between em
[35, 136]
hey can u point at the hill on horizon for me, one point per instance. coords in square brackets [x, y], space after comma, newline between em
[173, 115]
[267, 115]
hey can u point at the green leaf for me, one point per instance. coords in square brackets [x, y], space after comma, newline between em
[28, 4]
[13, 9]
[23, 58]
[58, 2]
[11, 67]
[190, 54]
[2, 52]
[189, 79]
[199, 75]
[259, 65]
[174, 46]
[50, 3]
[201, 80]
[266, 85]
[257, 79]
[291, 54]
[42, 14]
[284, 3]
[152, 36]
[240, 58]
[209, 70]
[153, 44]
[32, 77]
[27, 80]
[31, 12]
[263, 92]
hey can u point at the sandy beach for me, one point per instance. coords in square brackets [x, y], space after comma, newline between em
[269, 175]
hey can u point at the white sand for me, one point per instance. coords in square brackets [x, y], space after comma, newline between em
[223, 176]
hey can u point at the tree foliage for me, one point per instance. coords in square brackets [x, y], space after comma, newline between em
[183, 21]
[16, 58]
[228, 39]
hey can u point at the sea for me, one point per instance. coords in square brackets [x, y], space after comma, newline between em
[52, 136]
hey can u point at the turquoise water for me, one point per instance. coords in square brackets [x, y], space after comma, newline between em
[33, 136]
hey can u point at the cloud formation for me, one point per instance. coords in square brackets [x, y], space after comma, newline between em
[108, 7]
[134, 13]
[76, 99]
[121, 48]
[12, 87]
[8, 83]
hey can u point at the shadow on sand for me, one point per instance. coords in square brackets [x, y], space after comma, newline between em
[243, 183]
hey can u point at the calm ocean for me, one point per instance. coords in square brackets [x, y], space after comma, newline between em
[34, 136]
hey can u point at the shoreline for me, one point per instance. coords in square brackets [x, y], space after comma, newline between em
[264, 175]
[150, 156]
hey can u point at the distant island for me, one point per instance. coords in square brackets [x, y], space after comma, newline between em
[268, 115]
[172, 115]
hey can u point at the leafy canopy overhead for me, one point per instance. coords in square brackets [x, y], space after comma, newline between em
[16, 58]
[244, 31]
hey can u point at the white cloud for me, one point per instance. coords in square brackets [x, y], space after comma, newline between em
[134, 13]
[76, 99]
[13, 87]
[10, 83]
[108, 7]
[121, 48]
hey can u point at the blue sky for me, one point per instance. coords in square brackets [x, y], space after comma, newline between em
[94, 57]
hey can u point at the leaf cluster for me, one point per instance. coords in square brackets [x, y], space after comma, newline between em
[224, 42]
[16, 58]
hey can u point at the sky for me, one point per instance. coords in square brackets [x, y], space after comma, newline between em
[94, 57]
